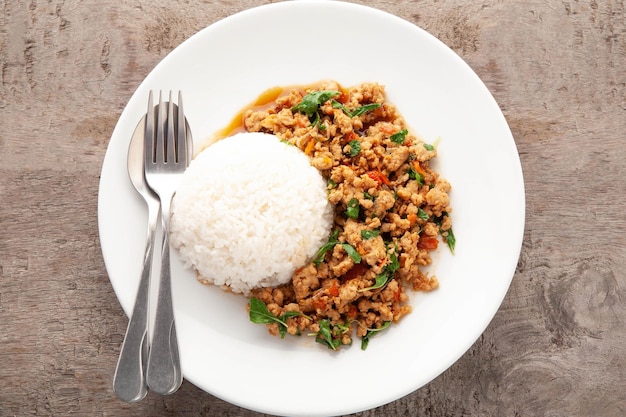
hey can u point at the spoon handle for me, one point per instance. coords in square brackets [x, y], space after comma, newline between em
[129, 382]
[164, 372]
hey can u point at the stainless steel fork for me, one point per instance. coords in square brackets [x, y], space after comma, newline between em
[166, 157]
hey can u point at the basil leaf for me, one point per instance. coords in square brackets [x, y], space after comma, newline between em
[289, 314]
[282, 328]
[332, 241]
[359, 111]
[394, 264]
[428, 147]
[368, 234]
[325, 336]
[314, 119]
[365, 340]
[399, 136]
[340, 329]
[422, 214]
[451, 240]
[311, 102]
[338, 105]
[387, 274]
[381, 281]
[364, 109]
[355, 147]
[352, 210]
[260, 314]
[414, 175]
[352, 252]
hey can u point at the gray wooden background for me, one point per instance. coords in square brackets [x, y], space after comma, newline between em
[558, 71]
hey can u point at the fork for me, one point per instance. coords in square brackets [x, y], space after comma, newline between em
[165, 159]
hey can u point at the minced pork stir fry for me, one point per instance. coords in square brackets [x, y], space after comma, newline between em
[390, 208]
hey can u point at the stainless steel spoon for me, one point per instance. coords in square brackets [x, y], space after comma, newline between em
[129, 382]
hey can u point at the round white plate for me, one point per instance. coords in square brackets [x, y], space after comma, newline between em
[227, 65]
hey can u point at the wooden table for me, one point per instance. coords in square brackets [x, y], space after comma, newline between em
[557, 346]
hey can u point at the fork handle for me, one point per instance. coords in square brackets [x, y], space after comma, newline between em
[129, 382]
[164, 373]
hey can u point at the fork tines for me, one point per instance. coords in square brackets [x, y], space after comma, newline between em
[166, 118]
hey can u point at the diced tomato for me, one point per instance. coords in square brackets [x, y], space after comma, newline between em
[396, 295]
[412, 218]
[427, 242]
[352, 312]
[318, 304]
[379, 177]
[334, 289]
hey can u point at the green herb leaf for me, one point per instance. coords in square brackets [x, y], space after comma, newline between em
[393, 266]
[311, 102]
[352, 210]
[338, 105]
[355, 148]
[365, 340]
[414, 175]
[314, 119]
[260, 314]
[331, 184]
[399, 136]
[340, 329]
[352, 252]
[381, 281]
[422, 214]
[428, 147]
[282, 329]
[451, 240]
[364, 109]
[289, 314]
[325, 336]
[383, 278]
[359, 111]
[368, 234]
[368, 196]
[332, 241]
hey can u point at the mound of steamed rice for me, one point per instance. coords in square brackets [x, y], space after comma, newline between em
[249, 211]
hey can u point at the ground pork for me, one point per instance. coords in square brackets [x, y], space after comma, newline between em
[390, 208]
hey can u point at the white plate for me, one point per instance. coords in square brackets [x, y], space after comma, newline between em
[227, 65]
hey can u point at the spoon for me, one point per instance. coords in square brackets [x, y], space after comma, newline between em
[129, 382]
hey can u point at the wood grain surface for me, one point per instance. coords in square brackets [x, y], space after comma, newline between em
[557, 346]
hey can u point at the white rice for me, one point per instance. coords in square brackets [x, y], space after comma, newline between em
[249, 211]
